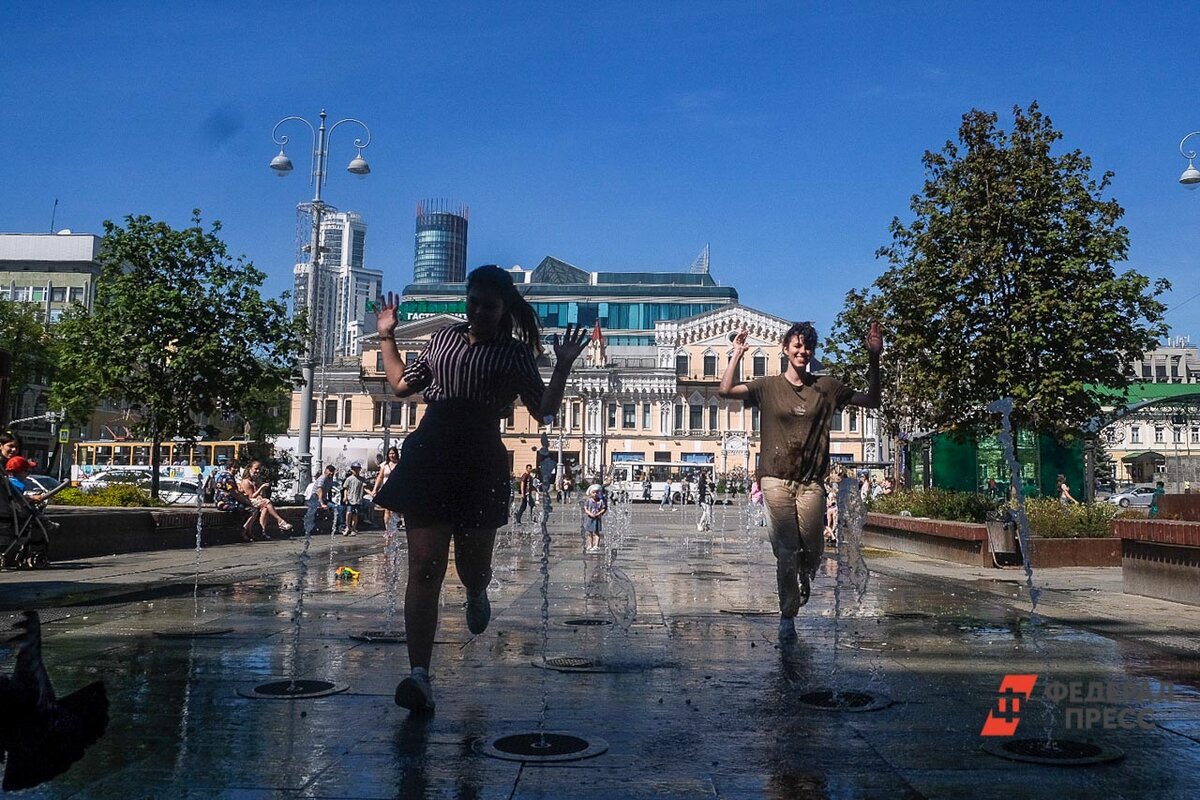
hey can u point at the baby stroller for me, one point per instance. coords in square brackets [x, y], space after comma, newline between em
[24, 530]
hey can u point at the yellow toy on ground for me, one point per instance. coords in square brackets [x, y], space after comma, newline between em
[346, 574]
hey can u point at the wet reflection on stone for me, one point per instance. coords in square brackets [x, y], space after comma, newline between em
[692, 701]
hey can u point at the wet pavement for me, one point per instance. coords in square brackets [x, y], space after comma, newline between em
[693, 695]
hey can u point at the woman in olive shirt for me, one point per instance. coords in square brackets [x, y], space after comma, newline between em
[796, 411]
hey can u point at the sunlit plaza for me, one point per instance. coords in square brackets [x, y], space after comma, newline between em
[661, 654]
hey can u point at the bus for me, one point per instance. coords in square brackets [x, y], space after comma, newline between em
[177, 458]
[629, 478]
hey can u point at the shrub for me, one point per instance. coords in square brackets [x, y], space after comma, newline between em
[1053, 520]
[1047, 516]
[118, 494]
[936, 504]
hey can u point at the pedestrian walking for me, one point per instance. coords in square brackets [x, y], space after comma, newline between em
[704, 499]
[797, 410]
[594, 508]
[525, 485]
[453, 480]
[390, 518]
[354, 489]
[1159, 491]
[1064, 492]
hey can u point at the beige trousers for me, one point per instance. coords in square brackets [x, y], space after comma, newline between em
[795, 525]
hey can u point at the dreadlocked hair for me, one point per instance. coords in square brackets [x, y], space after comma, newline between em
[520, 321]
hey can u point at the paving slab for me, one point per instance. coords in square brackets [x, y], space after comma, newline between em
[692, 692]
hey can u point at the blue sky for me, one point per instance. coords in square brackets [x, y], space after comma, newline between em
[612, 135]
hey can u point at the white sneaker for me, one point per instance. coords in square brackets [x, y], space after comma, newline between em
[415, 692]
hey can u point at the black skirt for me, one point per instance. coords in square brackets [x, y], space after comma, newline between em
[453, 469]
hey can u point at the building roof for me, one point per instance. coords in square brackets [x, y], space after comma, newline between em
[1146, 391]
[49, 247]
[1142, 455]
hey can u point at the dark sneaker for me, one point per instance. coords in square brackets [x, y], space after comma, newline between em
[479, 612]
[415, 693]
[805, 587]
[787, 629]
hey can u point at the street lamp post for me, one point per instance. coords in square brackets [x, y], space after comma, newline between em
[283, 166]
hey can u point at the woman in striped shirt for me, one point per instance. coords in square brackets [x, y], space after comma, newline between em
[452, 481]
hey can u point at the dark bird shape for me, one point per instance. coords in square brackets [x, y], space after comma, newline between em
[40, 735]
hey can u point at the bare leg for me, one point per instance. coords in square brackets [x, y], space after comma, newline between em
[269, 507]
[428, 551]
[473, 557]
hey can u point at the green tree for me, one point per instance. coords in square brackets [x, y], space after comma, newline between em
[1004, 284]
[24, 336]
[179, 331]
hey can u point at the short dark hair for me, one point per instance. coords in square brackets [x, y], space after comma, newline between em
[805, 331]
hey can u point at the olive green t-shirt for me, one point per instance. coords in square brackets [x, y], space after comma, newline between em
[795, 424]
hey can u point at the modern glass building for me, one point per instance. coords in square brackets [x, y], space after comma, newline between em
[627, 304]
[344, 286]
[441, 250]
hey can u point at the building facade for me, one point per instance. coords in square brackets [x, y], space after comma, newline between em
[53, 271]
[1176, 361]
[441, 243]
[343, 287]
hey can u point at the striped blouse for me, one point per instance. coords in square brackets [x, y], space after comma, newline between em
[493, 373]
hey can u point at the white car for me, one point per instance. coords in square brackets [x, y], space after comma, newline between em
[111, 477]
[1137, 496]
[42, 483]
[174, 491]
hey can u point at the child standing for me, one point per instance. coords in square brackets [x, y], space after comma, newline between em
[593, 509]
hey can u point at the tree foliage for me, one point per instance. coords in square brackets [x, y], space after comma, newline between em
[179, 331]
[24, 336]
[1004, 284]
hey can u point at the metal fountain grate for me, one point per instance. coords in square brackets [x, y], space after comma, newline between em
[383, 637]
[541, 747]
[571, 664]
[750, 612]
[1055, 752]
[192, 633]
[587, 622]
[293, 690]
[847, 700]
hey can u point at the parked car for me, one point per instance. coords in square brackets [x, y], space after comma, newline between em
[110, 477]
[1137, 496]
[174, 491]
[42, 483]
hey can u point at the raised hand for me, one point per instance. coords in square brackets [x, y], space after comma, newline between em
[385, 310]
[574, 339]
[741, 341]
[874, 339]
